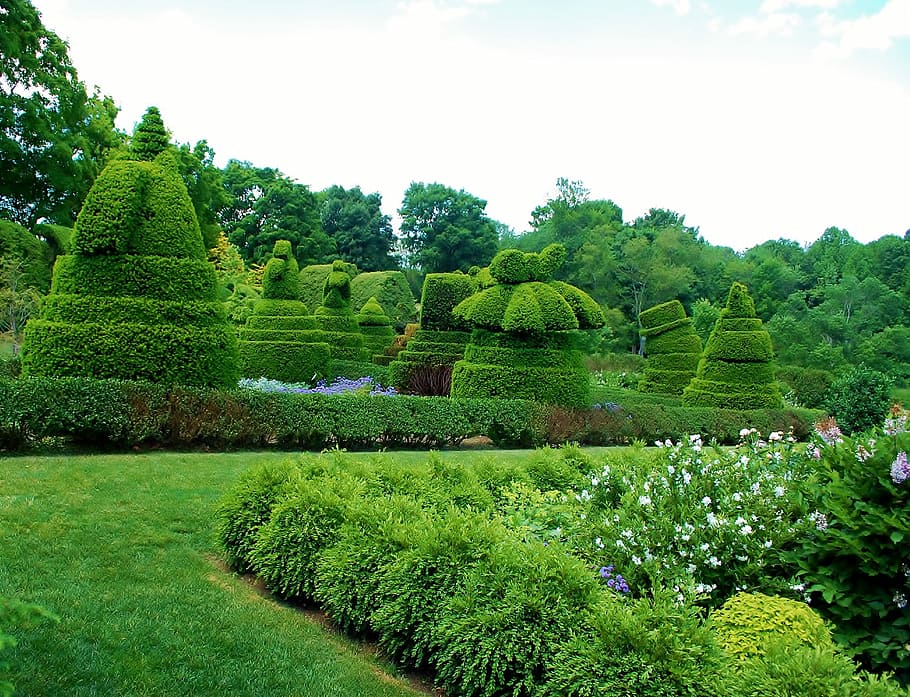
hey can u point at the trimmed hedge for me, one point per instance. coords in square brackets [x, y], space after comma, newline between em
[86, 309]
[136, 276]
[441, 293]
[18, 243]
[288, 361]
[736, 370]
[391, 290]
[127, 414]
[565, 387]
[669, 343]
[335, 317]
[311, 281]
[425, 365]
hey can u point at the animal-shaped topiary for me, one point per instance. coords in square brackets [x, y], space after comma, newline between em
[376, 328]
[736, 369]
[335, 317]
[136, 297]
[672, 347]
[523, 342]
[281, 340]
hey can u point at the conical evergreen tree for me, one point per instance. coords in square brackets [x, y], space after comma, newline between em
[672, 347]
[376, 328]
[136, 297]
[281, 340]
[736, 370]
[150, 138]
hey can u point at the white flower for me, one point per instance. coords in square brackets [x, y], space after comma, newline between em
[712, 520]
[746, 529]
[737, 496]
[636, 560]
[744, 433]
[767, 544]
[714, 561]
[599, 543]
[779, 491]
[774, 435]
[644, 500]
[740, 521]
[756, 487]
[705, 546]
[900, 600]
[706, 501]
[671, 470]
[686, 477]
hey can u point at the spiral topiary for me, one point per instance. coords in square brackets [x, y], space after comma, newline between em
[736, 369]
[522, 344]
[281, 340]
[136, 297]
[672, 347]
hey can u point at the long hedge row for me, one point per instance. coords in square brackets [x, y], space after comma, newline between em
[125, 414]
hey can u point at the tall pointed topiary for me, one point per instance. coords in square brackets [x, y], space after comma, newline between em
[736, 370]
[377, 331]
[425, 365]
[150, 138]
[672, 347]
[136, 297]
[522, 346]
[335, 317]
[281, 340]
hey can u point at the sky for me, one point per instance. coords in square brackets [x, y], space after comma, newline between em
[756, 119]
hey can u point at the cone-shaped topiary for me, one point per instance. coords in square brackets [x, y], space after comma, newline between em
[335, 317]
[376, 328]
[281, 340]
[136, 298]
[736, 369]
[522, 344]
[150, 138]
[425, 365]
[672, 347]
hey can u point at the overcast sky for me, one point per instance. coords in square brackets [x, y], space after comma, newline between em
[756, 119]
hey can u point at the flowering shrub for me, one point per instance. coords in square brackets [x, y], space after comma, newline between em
[703, 520]
[363, 385]
[854, 560]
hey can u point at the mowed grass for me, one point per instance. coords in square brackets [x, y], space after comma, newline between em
[121, 548]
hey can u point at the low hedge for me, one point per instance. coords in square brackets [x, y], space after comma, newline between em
[288, 361]
[125, 414]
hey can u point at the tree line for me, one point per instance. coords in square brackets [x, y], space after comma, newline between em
[828, 304]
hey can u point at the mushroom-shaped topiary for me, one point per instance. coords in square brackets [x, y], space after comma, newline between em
[281, 340]
[736, 371]
[336, 318]
[376, 328]
[136, 297]
[522, 345]
[672, 347]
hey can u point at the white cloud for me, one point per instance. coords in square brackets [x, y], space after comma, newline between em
[875, 32]
[777, 24]
[680, 7]
[772, 6]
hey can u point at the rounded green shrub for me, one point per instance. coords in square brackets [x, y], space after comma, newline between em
[736, 371]
[859, 399]
[137, 256]
[376, 328]
[391, 290]
[311, 281]
[441, 293]
[672, 349]
[748, 623]
[17, 243]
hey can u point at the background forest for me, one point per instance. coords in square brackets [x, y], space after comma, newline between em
[829, 305]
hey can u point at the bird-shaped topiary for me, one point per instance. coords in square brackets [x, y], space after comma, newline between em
[376, 328]
[736, 369]
[522, 346]
[672, 348]
[280, 340]
[136, 298]
[335, 317]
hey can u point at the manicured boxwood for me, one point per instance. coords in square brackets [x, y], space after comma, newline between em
[376, 328]
[670, 348]
[736, 371]
[523, 313]
[85, 309]
[391, 290]
[432, 351]
[441, 293]
[336, 319]
[311, 281]
[18, 243]
[288, 361]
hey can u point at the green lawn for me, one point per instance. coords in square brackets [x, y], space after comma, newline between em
[121, 548]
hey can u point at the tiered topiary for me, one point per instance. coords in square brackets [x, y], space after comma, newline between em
[280, 340]
[522, 344]
[136, 297]
[335, 317]
[391, 290]
[425, 365]
[736, 371]
[377, 331]
[672, 347]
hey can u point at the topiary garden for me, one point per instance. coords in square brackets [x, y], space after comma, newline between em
[672, 348]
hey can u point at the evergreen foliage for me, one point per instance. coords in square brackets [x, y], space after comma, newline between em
[522, 345]
[392, 291]
[17, 243]
[670, 368]
[736, 370]
[150, 138]
[136, 298]
[376, 328]
[312, 282]
[336, 319]
[281, 340]
[425, 365]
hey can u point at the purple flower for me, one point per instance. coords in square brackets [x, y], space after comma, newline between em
[900, 468]
[614, 582]
[828, 431]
